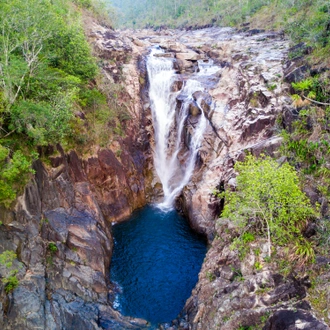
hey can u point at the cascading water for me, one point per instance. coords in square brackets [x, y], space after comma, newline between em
[157, 258]
[168, 126]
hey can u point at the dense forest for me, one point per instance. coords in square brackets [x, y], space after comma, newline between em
[296, 16]
[48, 74]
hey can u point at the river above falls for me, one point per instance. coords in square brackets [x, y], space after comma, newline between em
[156, 261]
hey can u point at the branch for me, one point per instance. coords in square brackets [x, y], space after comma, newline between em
[8, 134]
[317, 102]
[268, 229]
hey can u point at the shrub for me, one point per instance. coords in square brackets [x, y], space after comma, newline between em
[14, 174]
[52, 248]
[11, 281]
[269, 201]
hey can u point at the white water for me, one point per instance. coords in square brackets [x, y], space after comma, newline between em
[169, 125]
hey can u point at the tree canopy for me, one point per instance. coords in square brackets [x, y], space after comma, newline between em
[268, 200]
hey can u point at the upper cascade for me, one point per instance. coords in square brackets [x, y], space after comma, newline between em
[169, 121]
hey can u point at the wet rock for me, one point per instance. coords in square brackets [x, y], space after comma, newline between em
[188, 56]
[80, 114]
[324, 206]
[251, 127]
[173, 46]
[204, 100]
[292, 289]
[176, 86]
[232, 183]
[166, 55]
[289, 115]
[194, 110]
[183, 66]
[268, 147]
[139, 42]
[310, 230]
[255, 31]
[312, 194]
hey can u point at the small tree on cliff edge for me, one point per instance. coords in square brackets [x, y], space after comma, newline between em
[268, 200]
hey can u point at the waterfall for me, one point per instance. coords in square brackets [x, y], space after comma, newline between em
[169, 125]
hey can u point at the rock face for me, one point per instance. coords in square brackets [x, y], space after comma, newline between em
[242, 102]
[246, 102]
[232, 293]
[60, 228]
[65, 245]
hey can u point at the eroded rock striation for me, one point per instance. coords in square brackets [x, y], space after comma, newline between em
[242, 103]
[60, 227]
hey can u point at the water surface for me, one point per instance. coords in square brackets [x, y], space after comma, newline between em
[155, 263]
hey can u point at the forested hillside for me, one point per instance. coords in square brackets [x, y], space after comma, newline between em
[301, 19]
[48, 75]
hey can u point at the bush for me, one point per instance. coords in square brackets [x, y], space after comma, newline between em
[14, 174]
[11, 281]
[52, 247]
[268, 201]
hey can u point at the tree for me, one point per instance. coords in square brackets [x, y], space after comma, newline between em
[45, 60]
[268, 200]
[25, 26]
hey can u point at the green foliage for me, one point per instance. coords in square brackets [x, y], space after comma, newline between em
[257, 265]
[10, 281]
[242, 327]
[45, 61]
[304, 251]
[52, 247]
[238, 276]
[307, 146]
[7, 257]
[247, 237]
[315, 88]
[210, 276]
[83, 3]
[103, 13]
[268, 201]
[14, 174]
[70, 52]
[176, 13]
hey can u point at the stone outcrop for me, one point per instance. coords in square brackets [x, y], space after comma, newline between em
[232, 293]
[60, 227]
[242, 103]
[64, 244]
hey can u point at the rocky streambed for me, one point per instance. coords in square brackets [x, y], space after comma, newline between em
[73, 201]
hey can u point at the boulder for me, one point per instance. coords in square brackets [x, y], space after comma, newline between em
[176, 86]
[171, 46]
[293, 319]
[194, 110]
[204, 100]
[254, 126]
[183, 66]
[167, 55]
[189, 56]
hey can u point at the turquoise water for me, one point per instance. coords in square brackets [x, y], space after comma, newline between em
[155, 263]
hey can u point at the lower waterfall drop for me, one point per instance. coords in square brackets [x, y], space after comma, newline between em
[169, 125]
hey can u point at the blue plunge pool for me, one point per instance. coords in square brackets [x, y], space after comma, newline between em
[156, 261]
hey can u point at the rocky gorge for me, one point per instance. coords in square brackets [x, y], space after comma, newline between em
[71, 202]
